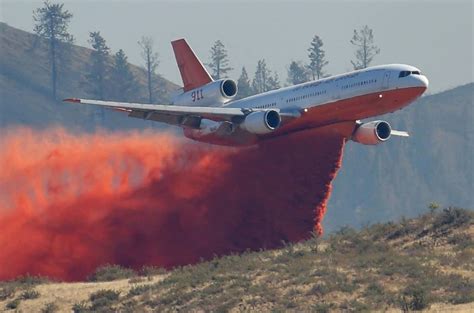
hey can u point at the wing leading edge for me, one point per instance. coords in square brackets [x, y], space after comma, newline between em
[170, 114]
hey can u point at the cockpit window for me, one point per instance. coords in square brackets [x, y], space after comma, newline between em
[404, 74]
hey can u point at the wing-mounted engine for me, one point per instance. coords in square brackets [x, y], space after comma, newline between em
[215, 93]
[261, 122]
[372, 133]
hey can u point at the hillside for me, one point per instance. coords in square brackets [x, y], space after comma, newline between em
[25, 86]
[436, 164]
[421, 263]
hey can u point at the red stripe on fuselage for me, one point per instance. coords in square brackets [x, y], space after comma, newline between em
[344, 110]
[352, 109]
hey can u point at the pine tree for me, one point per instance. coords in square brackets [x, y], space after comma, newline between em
[263, 80]
[122, 79]
[98, 73]
[151, 62]
[366, 49]
[51, 23]
[259, 83]
[243, 84]
[297, 73]
[219, 61]
[273, 82]
[317, 58]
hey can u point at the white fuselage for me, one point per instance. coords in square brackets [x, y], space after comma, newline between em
[335, 88]
[347, 97]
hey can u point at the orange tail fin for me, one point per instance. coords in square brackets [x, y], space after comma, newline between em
[193, 73]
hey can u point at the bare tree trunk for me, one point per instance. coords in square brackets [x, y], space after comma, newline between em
[53, 59]
[150, 98]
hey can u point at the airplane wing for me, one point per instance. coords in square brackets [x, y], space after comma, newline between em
[171, 114]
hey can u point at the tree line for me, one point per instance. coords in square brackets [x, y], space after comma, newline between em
[298, 72]
[109, 76]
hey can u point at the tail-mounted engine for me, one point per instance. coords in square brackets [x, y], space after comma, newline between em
[215, 93]
[372, 133]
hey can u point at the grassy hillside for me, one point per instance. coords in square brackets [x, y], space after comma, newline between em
[26, 92]
[436, 163]
[421, 263]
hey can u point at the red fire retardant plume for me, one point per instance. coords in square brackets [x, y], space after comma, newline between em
[70, 203]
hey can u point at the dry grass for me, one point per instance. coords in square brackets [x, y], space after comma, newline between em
[65, 295]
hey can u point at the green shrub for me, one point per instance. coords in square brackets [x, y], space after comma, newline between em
[152, 271]
[460, 298]
[130, 306]
[318, 289]
[289, 303]
[461, 241]
[404, 229]
[29, 294]
[103, 298]
[346, 232]
[461, 289]
[452, 216]
[138, 290]
[374, 289]
[356, 306]
[433, 206]
[30, 280]
[111, 272]
[414, 298]
[322, 307]
[347, 286]
[50, 308]
[13, 304]
[80, 307]
[6, 292]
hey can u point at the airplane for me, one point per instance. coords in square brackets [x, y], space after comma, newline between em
[207, 110]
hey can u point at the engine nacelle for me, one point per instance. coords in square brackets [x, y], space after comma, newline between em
[372, 133]
[261, 122]
[213, 94]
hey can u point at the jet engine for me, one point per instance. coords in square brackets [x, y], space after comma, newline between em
[215, 93]
[372, 133]
[261, 122]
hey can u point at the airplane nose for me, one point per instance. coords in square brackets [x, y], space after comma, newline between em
[423, 81]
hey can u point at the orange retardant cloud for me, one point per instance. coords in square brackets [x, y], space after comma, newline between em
[70, 203]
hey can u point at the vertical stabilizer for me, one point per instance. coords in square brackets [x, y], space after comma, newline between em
[193, 73]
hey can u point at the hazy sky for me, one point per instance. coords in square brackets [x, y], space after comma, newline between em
[436, 36]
